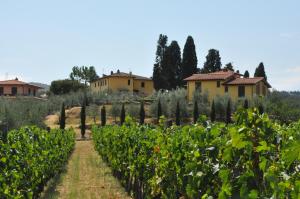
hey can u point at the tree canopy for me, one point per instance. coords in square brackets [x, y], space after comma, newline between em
[189, 59]
[83, 74]
[260, 71]
[246, 74]
[213, 62]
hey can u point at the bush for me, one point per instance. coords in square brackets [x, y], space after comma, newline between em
[65, 86]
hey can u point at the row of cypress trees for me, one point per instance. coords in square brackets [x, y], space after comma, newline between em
[142, 114]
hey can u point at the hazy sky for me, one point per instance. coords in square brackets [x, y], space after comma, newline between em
[42, 40]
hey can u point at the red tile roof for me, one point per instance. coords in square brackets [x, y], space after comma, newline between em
[247, 81]
[220, 75]
[16, 82]
[122, 74]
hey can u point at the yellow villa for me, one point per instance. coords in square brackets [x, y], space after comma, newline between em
[121, 81]
[226, 82]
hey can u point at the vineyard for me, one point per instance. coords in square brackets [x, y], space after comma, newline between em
[252, 158]
[29, 157]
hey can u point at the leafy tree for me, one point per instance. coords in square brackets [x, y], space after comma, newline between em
[83, 118]
[229, 66]
[60, 87]
[213, 112]
[142, 113]
[195, 112]
[157, 69]
[171, 70]
[246, 104]
[246, 74]
[228, 112]
[159, 110]
[177, 114]
[84, 74]
[189, 59]
[213, 62]
[122, 116]
[103, 116]
[260, 71]
[62, 119]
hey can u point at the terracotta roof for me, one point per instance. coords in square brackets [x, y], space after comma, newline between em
[220, 75]
[16, 82]
[122, 74]
[247, 81]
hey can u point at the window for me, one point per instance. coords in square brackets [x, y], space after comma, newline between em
[226, 89]
[129, 82]
[34, 92]
[105, 82]
[257, 89]
[14, 91]
[1, 91]
[98, 84]
[143, 84]
[241, 91]
[198, 86]
[95, 84]
[218, 84]
[29, 91]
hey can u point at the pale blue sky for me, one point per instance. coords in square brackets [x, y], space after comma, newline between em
[41, 40]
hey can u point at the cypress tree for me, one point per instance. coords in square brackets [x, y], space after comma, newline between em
[196, 112]
[213, 112]
[171, 71]
[229, 66]
[177, 114]
[228, 113]
[213, 62]
[82, 118]
[246, 74]
[122, 116]
[260, 71]
[189, 59]
[62, 119]
[260, 109]
[157, 76]
[103, 116]
[142, 114]
[246, 104]
[159, 111]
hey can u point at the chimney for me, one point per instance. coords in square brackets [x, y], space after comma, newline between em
[130, 73]
[16, 79]
[111, 72]
[118, 71]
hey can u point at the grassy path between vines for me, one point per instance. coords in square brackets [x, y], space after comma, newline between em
[86, 176]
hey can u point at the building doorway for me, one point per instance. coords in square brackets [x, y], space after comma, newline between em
[14, 91]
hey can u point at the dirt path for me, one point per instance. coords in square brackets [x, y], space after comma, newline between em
[86, 176]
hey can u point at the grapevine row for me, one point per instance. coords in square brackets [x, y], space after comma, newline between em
[251, 158]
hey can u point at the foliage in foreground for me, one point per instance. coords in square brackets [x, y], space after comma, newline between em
[29, 157]
[252, 158]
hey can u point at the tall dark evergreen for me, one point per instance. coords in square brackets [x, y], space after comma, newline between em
[260, 71]
[159, 110]
[62, 119]
[177, 115]
[229, 66]
[213, 112]
[103, 116]
[213, 62]
[122, 116]
[157, 77]
[228, 112]
[142, 113]
[83, 118]
[189, 59]
[246, 104]
[171, 70]
[196, 112]
[246, 74]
